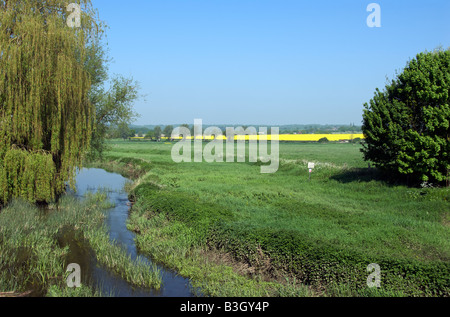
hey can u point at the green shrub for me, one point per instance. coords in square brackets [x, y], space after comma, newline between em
[406, 126]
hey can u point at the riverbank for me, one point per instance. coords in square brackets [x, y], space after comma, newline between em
[178, 247]
[236, 232]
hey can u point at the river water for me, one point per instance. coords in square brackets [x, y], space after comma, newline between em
[109, 284]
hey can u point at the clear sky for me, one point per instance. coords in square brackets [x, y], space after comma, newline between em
[265, 62]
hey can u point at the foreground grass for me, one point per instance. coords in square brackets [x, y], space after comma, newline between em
[34, 253]
[176, 245]
[322, 233]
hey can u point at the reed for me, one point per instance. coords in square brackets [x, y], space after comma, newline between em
[31, 256]
[116, 259]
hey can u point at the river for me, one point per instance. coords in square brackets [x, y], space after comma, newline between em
[173, 285]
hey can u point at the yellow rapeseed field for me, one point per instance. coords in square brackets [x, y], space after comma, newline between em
[289, 137]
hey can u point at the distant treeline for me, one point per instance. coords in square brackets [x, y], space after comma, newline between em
[155, 130]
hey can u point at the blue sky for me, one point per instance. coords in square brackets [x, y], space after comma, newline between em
[265, 62]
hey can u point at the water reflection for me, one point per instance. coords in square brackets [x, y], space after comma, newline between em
[91, 180]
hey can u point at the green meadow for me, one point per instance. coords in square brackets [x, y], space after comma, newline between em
[237, 232]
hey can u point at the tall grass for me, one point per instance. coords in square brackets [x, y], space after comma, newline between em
[116, 260]
[31, 256]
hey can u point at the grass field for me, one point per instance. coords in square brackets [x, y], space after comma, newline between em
[319, 235]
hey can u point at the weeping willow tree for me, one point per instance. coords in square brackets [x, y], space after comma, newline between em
[46, 116]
